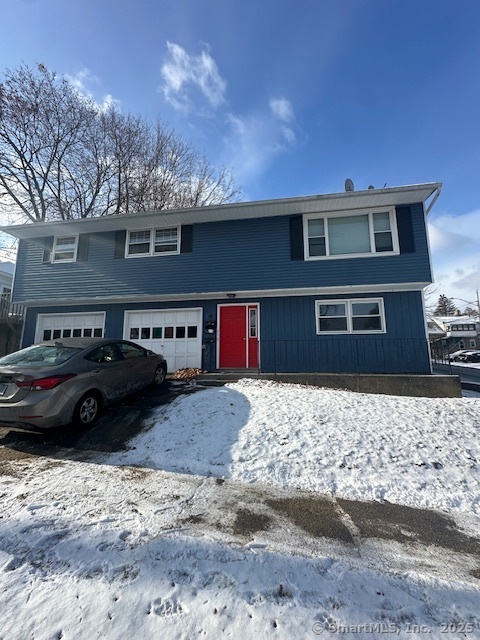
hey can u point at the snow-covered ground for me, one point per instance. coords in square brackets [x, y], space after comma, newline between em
[471, 365]
[421, 452]
[147, 543]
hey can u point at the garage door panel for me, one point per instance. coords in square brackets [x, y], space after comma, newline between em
[53, 326]
[174, 333]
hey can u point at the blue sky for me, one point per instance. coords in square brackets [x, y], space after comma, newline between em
[295, 97]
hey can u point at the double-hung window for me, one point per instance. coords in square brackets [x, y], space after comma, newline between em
[153, 242]
[350, 316]
[350, 234]
[65, 249]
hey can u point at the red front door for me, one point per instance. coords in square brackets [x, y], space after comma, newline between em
[238, 336]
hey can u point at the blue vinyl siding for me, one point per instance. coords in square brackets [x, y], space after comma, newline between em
[288, 339]
[227, 256]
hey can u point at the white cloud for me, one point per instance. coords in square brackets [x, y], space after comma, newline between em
[182, 72]
[282, 109]
[455, 245]
[249, 145]
[251, 139]
[83, 82]
[288, 134]
[255, 140]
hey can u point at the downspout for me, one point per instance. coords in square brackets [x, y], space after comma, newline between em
[437, 193]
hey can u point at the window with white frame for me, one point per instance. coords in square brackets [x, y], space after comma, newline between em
[65, 249]
[153, 242]
[350, 316]
[473, 344]
[350, 234]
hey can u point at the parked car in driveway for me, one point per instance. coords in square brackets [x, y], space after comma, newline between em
[70, 380]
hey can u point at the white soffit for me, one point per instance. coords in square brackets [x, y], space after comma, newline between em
[368, 199]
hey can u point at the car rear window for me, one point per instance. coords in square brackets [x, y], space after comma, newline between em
[40, 356]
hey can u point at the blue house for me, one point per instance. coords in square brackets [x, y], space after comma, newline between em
[325, 283]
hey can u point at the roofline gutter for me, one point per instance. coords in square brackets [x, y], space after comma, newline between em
[392, 196]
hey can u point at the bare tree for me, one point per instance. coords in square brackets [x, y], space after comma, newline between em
[63, 157]
[470, 311]
[429, 296]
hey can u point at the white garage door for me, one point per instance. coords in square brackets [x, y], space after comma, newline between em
[176, 333]
[51, 326]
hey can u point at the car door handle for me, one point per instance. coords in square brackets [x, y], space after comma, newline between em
[95, 371]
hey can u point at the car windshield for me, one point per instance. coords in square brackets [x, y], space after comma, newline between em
[40, 355]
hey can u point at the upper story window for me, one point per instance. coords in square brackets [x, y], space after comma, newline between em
[153, 242]
[350, 316]
[352, 234]
[65, 249]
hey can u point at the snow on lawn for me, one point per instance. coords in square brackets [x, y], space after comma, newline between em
[420, 452]
[92, 548]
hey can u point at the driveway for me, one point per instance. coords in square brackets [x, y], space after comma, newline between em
[119, 423]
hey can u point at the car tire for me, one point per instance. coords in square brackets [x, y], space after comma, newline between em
[159, 376]
[87, 410]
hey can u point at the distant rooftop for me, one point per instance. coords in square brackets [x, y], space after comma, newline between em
[455, 319]
[7, 267]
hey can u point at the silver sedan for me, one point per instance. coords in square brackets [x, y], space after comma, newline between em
[70, 380]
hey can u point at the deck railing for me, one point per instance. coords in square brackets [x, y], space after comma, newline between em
[10, 311]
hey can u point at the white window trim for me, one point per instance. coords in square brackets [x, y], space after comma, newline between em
[348, 302]
[152, 242]
[75, 249]
[354, 212]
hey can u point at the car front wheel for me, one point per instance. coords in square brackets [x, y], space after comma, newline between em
[159, 377]
[87, 410]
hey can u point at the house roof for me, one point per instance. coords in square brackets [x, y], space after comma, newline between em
[7, 267]
[434, 329]
[456, 319]
[350, 200]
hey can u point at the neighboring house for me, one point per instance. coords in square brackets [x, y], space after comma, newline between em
[327, 283]
[459, 332]
[10, 316]
[7, 270]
